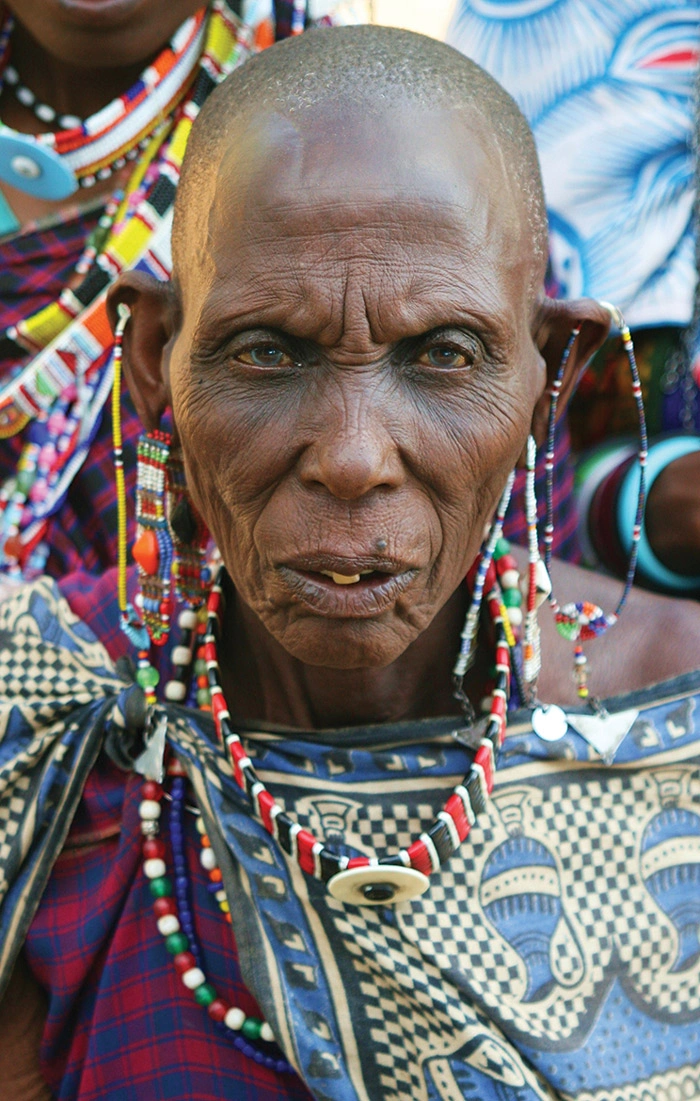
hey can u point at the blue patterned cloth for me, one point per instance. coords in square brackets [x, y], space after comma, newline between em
[554, 957]
[608, 90]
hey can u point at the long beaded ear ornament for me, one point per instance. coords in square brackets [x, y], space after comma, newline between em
[580, 621]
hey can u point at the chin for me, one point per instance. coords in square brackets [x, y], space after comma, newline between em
[340, 644]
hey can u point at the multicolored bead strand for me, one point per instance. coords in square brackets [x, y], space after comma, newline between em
[468, 636]
[173, 912]
[582, 620]
[452, 824]
[153, 548]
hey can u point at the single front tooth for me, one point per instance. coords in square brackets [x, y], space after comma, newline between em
[341, 578]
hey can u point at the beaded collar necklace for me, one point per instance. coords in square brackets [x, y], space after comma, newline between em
[54, 165]
[365, 880]
[65, 385]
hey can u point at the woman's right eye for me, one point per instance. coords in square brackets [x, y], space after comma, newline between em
[267, 356]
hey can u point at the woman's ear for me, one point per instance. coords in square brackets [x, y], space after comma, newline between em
[557, 321]
[151, 326]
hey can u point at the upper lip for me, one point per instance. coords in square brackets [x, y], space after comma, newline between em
[348, 565]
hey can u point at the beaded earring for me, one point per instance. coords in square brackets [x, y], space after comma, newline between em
[153, 549]
[466, 653]
[538, 584]
[581, 621]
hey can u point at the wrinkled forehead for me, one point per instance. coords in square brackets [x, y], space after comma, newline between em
[393, 198]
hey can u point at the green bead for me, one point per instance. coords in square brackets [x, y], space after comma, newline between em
[203, 697]
[512, 598]
[176, 942]
[25, 480]
[502, 547]
[251, 1028]
[569, 631]
[161, 887]
[204, 994]
[200, 667]
[147, 676]
[45, 386]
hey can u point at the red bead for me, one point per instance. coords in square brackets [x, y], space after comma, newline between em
[455, 808]
[146, 551]
[305, 846]
[209, 651]
[420, 857]
[183, 962]
[358, 862]
[265, 804]
[218, 1009]
[165, 608]
[151, 790]
[506, 562]
[153, 848]
[163, 906]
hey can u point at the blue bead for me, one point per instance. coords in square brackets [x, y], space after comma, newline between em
[33, 168]
[181, 882]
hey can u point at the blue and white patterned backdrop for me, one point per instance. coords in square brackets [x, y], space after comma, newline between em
[607, 86]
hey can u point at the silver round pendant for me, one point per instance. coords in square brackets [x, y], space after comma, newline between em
[549, 723]
[383, 885]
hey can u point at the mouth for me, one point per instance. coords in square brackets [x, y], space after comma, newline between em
[358, 588]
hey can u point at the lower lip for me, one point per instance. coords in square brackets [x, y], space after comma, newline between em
[101, 13]
[369, 597]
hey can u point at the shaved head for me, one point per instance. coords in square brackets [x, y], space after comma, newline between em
[364, 73]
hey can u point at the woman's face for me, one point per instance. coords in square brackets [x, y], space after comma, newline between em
[355, 374]
[102, 34]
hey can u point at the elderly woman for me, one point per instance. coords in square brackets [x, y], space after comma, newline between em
[348, 363]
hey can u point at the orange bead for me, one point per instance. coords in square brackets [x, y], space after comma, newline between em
[215, 875]
[13, 546]
[146, 551]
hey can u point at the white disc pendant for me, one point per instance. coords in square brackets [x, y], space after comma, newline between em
[549, 723]
[382, 885]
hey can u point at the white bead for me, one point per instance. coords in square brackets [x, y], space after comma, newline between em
[69, 122]
[201, 827]
[193, 978]
[138, 600]
[175, 691]
[266, 1033]
[509, 579]
[220, 896]
[154, 868]
[168, 924]
[180, 655]
[234, 1019]
[207, 859]
[44, 112]
[187, 619]
[149, 809]
[515, 616]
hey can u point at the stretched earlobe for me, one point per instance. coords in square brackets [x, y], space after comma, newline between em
[590, 320]
[152, 324]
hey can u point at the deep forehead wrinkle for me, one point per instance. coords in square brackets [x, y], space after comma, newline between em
[338, 202]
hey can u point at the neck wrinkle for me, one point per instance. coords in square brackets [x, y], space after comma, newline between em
[261, 681]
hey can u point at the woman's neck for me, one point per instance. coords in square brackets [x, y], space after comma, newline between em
[262, 681]
[69, 89]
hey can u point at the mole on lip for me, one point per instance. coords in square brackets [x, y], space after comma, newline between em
[381, 544]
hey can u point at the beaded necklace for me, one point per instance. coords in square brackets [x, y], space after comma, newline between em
[54, 165]
[367, 880]
[70, 338]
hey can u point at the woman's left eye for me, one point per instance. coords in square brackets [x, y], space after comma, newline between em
[265, 355]
[444, 356]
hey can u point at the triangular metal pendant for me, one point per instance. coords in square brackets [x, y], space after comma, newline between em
[603, 731]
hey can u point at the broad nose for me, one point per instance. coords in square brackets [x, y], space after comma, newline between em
[353, 452]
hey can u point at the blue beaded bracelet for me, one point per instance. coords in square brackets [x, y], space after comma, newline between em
[661, 454]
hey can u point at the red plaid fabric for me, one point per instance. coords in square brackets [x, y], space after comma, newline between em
[121, 1025]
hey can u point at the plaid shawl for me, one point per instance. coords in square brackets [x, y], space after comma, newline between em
[555, 956]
